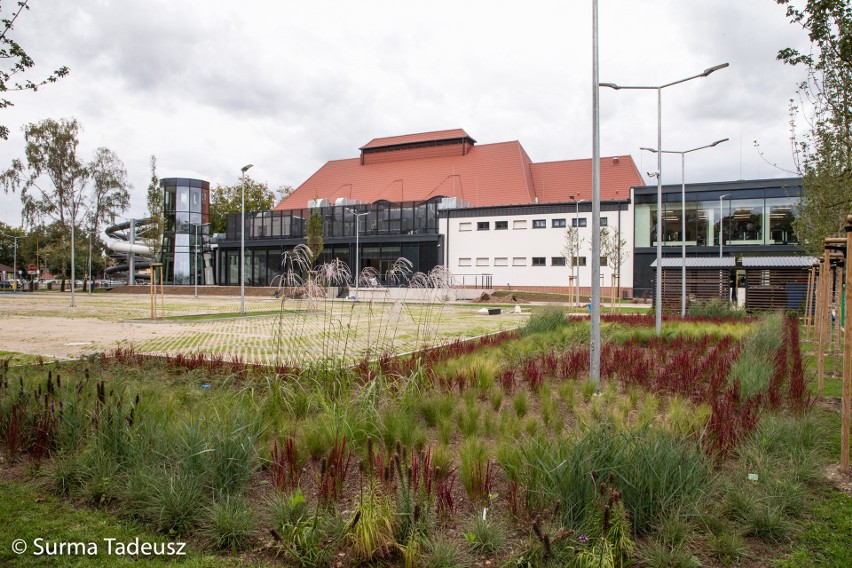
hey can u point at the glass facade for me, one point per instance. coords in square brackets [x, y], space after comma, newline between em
[387, 232]
[753, 217]
[382, 218]
[186, 206]
[761, 221]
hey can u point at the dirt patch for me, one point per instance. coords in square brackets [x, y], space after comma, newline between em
[839, 478]
[503, 297]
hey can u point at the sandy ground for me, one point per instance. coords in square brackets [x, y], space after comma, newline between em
[62, 338]
[44, 324]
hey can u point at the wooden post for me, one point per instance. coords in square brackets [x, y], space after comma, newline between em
[846, 403]
[835, 325]
[809, 304]
[162, 295]
[151, 288]
[821, 320]
[818, 299]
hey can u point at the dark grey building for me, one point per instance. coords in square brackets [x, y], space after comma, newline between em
[755, 218]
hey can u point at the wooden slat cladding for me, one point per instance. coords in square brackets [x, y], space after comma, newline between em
[776, 288]
[701, 285]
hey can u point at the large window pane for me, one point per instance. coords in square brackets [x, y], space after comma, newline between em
[645, 218]
[745, 219]
[782, 212]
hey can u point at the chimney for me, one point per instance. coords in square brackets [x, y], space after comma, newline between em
[615, 160]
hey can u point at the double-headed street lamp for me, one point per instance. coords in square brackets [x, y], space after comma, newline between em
[659, 89]
[683, 154]
[242, 272]
[357, 248]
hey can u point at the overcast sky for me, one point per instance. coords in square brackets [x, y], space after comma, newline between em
[210, 85]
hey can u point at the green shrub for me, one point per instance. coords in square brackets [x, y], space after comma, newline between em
[486, 537]
[442, 552]
[656, 554]
[287, 509]
[714, 308]
[547, 320]
[656, 471]
[727, 548]
[176, 501]
[521, 404]
[230, 524]
[233, 459]
[468, 419]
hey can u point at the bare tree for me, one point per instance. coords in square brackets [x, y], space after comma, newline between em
[93, 193]
[616, 252]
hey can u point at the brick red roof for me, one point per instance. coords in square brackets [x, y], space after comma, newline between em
[416, 138]
[487, 174]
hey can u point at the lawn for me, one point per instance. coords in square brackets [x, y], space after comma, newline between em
[699, 447]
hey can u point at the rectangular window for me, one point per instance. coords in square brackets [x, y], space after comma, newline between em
[578, 222]
[604, 222]
[501, 225]
[481, 261]
[604, 261]
[558, 223]
[483, 226]
[579, 261]
[519, 261]
[501, 261]
[557, 261]
[539, 261]
[519, 225]
[539, 223]
[464, 262]
[465, 226]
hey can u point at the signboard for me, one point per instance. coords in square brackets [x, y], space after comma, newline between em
[31, 268]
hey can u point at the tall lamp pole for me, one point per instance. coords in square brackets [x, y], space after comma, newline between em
[242, 272]
[91, 286]
[683, 154]
[357, 249]
[721, 222]
[659, 89]
[195, 260]
[15, 257]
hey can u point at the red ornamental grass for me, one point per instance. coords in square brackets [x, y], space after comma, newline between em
[13, 431]
[481, 480]
[533, 374]
[779, 375]
[799, 397]
[285, 465]
[507, 380]
[333, 471]
[445, 505]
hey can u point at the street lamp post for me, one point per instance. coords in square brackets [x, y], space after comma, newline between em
[659, 89]
[242, 271]
[195, 259]
[683, 154]
[357, 249]
[721, 222]
[15, 253]
[91, 287]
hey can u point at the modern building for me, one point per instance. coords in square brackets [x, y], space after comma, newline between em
[751, 218]
[186, 211]
[429, 197]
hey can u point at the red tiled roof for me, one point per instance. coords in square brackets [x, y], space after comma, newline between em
[555, 181]
[416, 138]
[488, 174]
